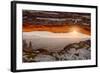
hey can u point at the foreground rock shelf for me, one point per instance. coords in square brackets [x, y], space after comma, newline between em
[73, 51]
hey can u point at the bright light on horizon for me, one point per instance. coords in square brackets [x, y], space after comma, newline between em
[74, 32]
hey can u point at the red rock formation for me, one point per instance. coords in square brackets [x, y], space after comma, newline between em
[57, 28]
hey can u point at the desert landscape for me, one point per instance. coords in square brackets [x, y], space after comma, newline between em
[56, 36]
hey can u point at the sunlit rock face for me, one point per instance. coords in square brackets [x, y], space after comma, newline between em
[55, 21]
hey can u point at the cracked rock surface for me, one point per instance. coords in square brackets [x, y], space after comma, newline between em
[74, 51]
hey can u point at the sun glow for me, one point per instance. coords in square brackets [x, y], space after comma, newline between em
[74, 32]
[74, 29]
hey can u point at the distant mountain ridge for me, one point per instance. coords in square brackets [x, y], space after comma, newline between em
[47, 34]
[53, 41]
